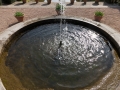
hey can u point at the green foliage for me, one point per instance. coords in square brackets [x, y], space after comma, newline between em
[113, 1]
[119, 2]
[0, 2]
[88, 0]
[19, 14]
[58, 7]
[99, 13]
[8, 1]
[108, 1]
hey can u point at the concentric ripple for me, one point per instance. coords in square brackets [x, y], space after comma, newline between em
[38, 57]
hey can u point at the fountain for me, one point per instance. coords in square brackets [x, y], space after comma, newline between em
[76, 57]
[60, 53]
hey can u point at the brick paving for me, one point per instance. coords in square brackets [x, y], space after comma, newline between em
[32, 10]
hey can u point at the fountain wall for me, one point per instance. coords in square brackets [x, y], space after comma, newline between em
[20, 28]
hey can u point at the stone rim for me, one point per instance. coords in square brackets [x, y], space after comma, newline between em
[111, 34]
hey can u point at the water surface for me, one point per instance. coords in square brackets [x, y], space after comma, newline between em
[38, 60]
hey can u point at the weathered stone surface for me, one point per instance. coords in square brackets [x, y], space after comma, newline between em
[1, 86]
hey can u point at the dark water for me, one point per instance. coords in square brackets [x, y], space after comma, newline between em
[36, 58]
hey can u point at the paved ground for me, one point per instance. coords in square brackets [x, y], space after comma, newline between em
[32, 10]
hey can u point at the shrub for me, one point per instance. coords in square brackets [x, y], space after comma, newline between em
[8, 1]
[119, 3]
[0, 2]
[58, 7]
[99, 13]
[18, 14]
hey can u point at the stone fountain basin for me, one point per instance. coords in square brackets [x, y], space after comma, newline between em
[10, 33]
